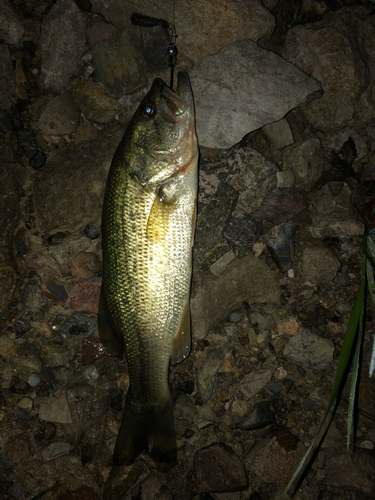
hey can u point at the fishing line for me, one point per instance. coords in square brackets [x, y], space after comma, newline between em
[150, 22]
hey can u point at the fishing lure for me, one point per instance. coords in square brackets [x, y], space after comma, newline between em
[150, 22]
[147, 21]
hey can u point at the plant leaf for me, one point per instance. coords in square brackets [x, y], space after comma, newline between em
[346, 350]
[353, 385]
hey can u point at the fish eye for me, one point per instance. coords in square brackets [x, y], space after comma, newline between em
[147, 110]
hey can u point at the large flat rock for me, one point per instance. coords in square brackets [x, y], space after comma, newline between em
[242, 88]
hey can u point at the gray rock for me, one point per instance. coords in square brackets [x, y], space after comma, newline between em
[333, 214]
[333, 51]
[259, 417]
[11, 26]
[274, 387]
[242, 232]
[309, 350]
[7, 77]
[78, 324]
[54, 355]
[15, 490]
[278, 245]
[244, 280]
[319, 263]
[306, 160]
[307, 404]
[215, 26]
[206, 376]
[252, 383]
[60, 116]
[63, 41]
[341, 279]
[119, 63]
[65, 249]
[262, 321]
[222, 263]
[31, 295]
[33, 380]
[60, 183]
[211, 223]
[246, 170]
[255, 98]
[55, 449]
[279, 134]
[234, 317]
[55, 410]
[87, 394]
[285, 179]
[91, 232]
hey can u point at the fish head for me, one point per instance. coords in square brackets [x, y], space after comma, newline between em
[160, 139]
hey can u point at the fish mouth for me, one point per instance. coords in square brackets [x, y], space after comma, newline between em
[175, 105]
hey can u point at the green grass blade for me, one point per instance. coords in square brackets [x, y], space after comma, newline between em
[371, 248]
[346, 350]
[372, 364]
[353, 385]
[371, 286]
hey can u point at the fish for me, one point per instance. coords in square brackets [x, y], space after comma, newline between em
[148, 225]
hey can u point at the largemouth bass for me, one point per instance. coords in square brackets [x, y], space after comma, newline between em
[148, 230]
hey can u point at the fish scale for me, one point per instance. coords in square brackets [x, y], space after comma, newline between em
[148, 222]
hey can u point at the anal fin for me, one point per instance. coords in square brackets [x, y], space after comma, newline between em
[108, 337]
[182, 340]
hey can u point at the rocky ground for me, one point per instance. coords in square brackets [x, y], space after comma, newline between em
[286, 169]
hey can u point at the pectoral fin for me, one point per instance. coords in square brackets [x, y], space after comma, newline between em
[159, 218]
[108, 336]
[182, 340]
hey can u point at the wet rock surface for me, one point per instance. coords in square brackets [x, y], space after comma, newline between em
[276, 256]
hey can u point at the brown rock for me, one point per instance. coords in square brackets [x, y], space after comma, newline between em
[93, 101]
[85, 265]
[280, 205]
[275, 459]
[218, 468]
[352, 472]
[63, 41]
[11, 26]
[60, 116]
[217, 24]
[337, 50]
[119, 63]
[85, 295]
[121, 479]
[92, 349]
[60, 184]
[310, 350]
[333, 214]
[18, 450]
[7, 76]
[319, 263]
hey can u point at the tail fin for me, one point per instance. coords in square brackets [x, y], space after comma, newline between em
[154, 431]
